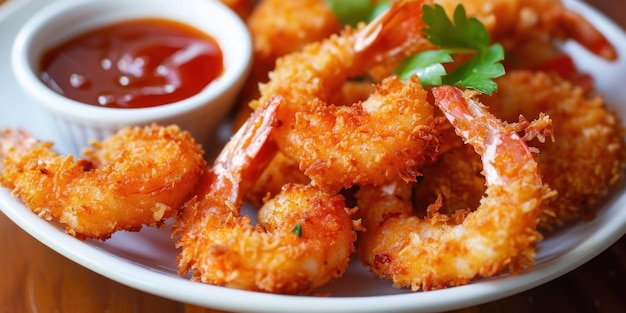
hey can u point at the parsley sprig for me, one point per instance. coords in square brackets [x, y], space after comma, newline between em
[461, 35]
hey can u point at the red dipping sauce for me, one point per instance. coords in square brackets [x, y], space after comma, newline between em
[133, 64]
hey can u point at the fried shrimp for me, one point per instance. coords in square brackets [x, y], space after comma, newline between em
[514, 22]
[342, 146]
[585, 159]
[139, 176]
[339, 146]
[588, 155]
[319, 70]
[303, 239]
[441, 250]
[277, 28]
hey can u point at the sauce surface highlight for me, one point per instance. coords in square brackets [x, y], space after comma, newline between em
[133, 64]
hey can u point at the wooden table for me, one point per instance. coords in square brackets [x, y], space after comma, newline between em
[34, 278]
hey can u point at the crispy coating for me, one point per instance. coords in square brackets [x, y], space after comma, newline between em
[516, 22]
[588, 155]
[224, 248]
[441, 250]
[281, 170]
[140, 176]
[277, 28]
[339, 146]
[303, 239]
[320, 69]
[280, 27]
[584, 161]
[454, 178]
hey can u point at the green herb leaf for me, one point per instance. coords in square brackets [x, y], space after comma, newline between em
[478, 72]
[427, 66]
[468, 33]
[297, 230]
[462, 35]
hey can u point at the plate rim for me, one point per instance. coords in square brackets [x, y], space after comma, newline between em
[445, 299]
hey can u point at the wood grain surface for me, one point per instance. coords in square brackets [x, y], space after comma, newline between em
[34, 278]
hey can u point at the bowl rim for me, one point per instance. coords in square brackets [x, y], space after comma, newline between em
[231, 35]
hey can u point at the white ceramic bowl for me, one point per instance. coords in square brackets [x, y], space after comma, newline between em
[72, 124]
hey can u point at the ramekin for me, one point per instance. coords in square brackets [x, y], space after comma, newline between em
[72, 124]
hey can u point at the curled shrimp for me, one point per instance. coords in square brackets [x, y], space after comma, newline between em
[139, 176]
[588, 154]
[515, 21]
[278, 28]
[303, 239]
[339, 146]
[441, 250]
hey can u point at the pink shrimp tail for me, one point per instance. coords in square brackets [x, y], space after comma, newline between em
[394, 31]
[488, 136]
[246, 155]
[579, 29]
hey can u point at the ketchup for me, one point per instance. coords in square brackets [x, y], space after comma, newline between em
[133, 64]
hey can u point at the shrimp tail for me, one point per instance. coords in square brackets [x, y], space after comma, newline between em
[583, 32]
[222, 247]
[440, 250]
[395, 34]
[246, 155]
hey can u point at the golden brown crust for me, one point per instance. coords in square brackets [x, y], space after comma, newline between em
[140, 176]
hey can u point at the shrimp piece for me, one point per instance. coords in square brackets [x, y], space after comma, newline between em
[319, 69]
[588, 155]
[584, 161]
[284, 169]
[281, 27]
[454, 179]
[278, 28]
[280, 171]
[514, 22]
[339, 146]
[139, 176]
[304, 237]
[449, 250]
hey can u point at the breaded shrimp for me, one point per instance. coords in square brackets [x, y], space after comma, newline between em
[514, 22]
[441, 250]
[280, 171]
[588, 155]
[277, 28]
[280, 27]
[303, 239]
[139, 176]
[284, 169]
[319, 69]
[586, 158]
[339, 146]
[454, 179]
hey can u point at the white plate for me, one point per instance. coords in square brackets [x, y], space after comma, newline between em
[146, 260]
